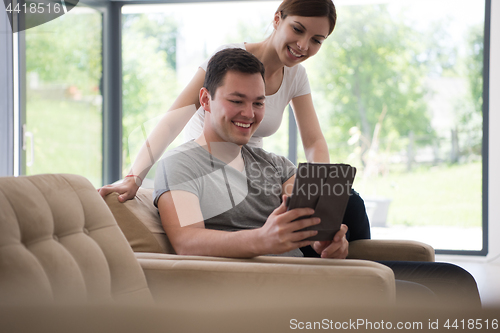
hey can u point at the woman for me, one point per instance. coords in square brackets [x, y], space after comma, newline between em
[299, 29]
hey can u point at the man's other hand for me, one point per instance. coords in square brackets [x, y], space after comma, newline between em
[338, 248]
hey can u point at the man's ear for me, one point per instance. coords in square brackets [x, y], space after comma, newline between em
[205, 99]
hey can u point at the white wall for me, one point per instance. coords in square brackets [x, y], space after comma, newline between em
[494, 136]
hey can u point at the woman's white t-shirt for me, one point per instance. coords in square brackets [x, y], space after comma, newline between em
[294, 84]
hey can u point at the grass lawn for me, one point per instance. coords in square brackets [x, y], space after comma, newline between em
[440, 196]
[67, 138]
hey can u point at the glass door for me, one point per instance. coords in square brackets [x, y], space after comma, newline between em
[61, 129]
[398, 88]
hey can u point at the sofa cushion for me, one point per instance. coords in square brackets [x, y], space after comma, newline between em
[60, 243]
[140, 222]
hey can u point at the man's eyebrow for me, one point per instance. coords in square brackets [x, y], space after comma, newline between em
[241, 95]
[306, 29]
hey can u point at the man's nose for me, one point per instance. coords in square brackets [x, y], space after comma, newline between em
[248, 111]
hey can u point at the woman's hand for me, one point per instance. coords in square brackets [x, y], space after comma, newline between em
[126, 190]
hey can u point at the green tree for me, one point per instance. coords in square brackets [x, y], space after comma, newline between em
[474, 65]
[161, 27]
[439, 54]
[470, 108]
[370, 64]
[57, 57]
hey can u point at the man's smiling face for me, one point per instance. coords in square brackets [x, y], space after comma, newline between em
[236, 110]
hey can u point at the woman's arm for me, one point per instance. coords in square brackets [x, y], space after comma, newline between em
[313, 140]
[169, 127]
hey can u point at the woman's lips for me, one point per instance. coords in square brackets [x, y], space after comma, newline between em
[293, 53]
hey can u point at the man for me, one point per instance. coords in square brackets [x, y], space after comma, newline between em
[218, 197]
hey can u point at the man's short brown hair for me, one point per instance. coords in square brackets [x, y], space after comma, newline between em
[233, 59]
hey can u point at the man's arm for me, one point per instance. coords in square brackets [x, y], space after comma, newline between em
[183, 222]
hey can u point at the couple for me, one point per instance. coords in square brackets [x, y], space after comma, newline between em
[217, 183]
[217, 196]
[299, 29]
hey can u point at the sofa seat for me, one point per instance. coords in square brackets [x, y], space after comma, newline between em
[60, 243]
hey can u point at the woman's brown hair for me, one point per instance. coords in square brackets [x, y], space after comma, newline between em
[309, 8]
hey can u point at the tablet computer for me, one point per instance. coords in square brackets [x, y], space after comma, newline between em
[326, 188]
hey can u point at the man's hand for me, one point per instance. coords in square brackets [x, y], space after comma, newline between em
[338, 248]
[279, 234]
[126, 190]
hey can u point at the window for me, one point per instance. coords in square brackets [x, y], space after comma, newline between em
[399, 90]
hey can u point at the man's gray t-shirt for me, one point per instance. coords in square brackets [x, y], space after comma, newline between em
[230, 200]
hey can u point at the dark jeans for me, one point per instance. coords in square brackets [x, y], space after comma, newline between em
[452, 285]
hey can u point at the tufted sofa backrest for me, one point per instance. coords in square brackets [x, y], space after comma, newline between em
[60, 243]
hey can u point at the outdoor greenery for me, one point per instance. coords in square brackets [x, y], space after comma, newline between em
[375, 71]
[66, 141]
[368, 66]
[64, 104]
[149, 77]
[67, 51]
[471, 116]
[444, 195]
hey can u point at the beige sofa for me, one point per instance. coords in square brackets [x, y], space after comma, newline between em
[61, 248]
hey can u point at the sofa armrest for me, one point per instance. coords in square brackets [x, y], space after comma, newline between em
[401, 250]
[266, 282]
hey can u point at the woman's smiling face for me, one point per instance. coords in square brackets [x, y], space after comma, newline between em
[298, 37]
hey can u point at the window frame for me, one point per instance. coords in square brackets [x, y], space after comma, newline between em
[485, 141]
[6, 98]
